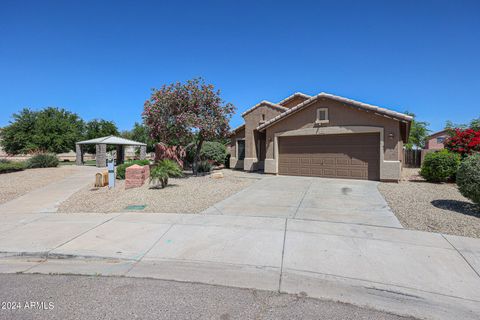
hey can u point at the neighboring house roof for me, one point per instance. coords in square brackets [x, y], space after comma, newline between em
[265, 102]
[433, 135]
[368, 107]
[113, 140]
[296, 94]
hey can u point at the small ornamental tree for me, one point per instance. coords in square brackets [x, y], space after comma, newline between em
[178, 113]
[464, 142]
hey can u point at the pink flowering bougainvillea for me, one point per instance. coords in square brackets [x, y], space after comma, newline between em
[180, 113]
[464, 142]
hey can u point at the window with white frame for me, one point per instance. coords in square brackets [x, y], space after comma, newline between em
[322, 115]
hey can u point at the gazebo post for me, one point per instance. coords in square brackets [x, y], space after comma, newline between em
[120, 154]
[101, 155]
[143, 152]
[78, 154]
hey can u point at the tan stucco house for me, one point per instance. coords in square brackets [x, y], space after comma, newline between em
[322, 135]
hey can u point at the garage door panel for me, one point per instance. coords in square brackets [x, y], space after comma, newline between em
[335, 156]
[357, 174]
[357, 162]
[304, 161]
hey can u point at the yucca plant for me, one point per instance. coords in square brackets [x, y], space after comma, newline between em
[165, 169]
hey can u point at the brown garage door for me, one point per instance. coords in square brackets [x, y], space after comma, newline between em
[353, 156]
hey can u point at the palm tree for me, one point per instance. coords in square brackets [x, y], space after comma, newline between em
[165, 169]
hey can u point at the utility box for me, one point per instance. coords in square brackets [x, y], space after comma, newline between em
[101, 179]
[111, 175]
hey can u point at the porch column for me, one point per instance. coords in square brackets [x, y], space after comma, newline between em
[78, 154]
[101, 155]
[143, 152]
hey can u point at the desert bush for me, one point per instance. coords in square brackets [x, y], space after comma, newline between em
[42, 160]
[204, 166]
[123, 167]
[11, 166]
[440, 166]
[163, 170]
[468, 178]
[213, 151]
[175, 153]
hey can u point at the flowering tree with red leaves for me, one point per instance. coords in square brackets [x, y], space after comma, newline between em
[464, 142]
[181, 112]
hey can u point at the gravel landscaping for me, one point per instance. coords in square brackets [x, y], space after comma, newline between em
[15, 184]
[433, 207]
[182, 195]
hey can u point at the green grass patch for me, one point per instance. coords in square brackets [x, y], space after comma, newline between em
[6, 167]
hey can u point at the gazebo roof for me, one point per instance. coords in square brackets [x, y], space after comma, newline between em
[112, 140]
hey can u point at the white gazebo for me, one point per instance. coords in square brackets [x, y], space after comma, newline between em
[101, 149]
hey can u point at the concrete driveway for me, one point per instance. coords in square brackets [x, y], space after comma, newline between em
[333, 200]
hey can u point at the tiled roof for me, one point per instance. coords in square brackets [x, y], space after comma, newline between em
[238, 128]
[369, 107]
[271, 104]
[296, 94]
[438, 132]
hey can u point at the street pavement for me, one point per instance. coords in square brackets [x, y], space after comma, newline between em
[83, 297]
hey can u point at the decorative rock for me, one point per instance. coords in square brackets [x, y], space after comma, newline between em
[217, 175]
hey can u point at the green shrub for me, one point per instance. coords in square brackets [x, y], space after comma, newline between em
[440, 166]
[5, 161]
[165, 169]
[123, 167]
[42, 160]
[10, 166]
[468, 178]
[204, 167]
[213, 151]
[216, 152]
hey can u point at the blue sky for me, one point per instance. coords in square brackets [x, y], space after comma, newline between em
[100, 59]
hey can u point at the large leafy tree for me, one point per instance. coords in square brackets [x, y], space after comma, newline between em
[49, 130]
[98, 128]
[140, 133]
[418, 133]
[178, 113]
[474, 125]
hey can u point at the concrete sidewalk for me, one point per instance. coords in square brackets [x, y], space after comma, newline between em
[49, 197]
[406, 272]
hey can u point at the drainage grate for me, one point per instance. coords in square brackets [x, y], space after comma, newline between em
[136, 207]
